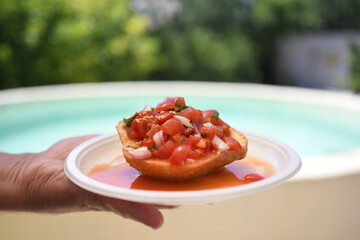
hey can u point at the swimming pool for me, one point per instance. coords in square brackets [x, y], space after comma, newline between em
[318, 124]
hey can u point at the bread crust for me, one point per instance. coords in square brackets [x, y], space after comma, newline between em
[162, 169]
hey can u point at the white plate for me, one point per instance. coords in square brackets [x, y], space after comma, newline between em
[284, 159]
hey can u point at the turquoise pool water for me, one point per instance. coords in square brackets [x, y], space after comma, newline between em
[311, 130]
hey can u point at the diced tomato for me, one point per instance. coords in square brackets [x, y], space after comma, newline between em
[140, 126]
[208, 144]
[219, 131]
[209, 116]
[226, 130]
[170, 103]
[206, 116]
[219, 122]
[196, 153]
[179, 155]
[161, 118]
[175, 100]
[179, 139]
[201, 143]
[191, 113]
[188, 131]
[252, 177]
[154, 129]
[147, 114]
[172, 127]
[208, 131]
[193, 140]
[165, 136]
[164, 150]
[180, 101]
[232, 143]
[204, 143]
[132, 134]
[164, 106]
[148, 142]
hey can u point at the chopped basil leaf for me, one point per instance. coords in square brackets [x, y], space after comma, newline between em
[180, 107]
[215, 114]
[128, 121]
[152, 147]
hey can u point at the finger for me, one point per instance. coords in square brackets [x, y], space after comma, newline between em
[72, 142]
[140, 212]
[166, 207]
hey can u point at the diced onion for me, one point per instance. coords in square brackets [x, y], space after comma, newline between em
[147, 108]
[139, 153]
[219, 144]
[208, 124]
[197, 127]
[159, 138]
[185, 121]
[170, 99]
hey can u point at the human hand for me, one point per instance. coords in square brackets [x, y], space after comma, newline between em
[37, 183]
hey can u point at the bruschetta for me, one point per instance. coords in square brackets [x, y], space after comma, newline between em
[177, 142]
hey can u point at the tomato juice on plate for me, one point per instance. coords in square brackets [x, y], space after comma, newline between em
[118, 173]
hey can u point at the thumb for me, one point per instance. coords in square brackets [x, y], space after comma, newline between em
[61, 149]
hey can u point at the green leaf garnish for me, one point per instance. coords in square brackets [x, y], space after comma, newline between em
[180, 107]
[152, 148]
[129, 120]
[215, 114]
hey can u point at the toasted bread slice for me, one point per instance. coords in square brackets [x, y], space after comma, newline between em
[162, 169]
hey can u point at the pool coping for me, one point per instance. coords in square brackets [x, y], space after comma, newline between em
[342, 163]
[248, 90]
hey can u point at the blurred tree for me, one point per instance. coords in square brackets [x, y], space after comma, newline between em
[231, 40]
[272, 19]
[64, 41]
[204, 42]
[339, 14]
[354, 79]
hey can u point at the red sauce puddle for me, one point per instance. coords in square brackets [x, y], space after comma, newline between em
[122, 175]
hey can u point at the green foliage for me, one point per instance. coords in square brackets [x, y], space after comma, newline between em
[230, 40]
[340, 14]
[201, 54]
[205, 42]
[354, 78]
[64, 41]
[285, 16]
